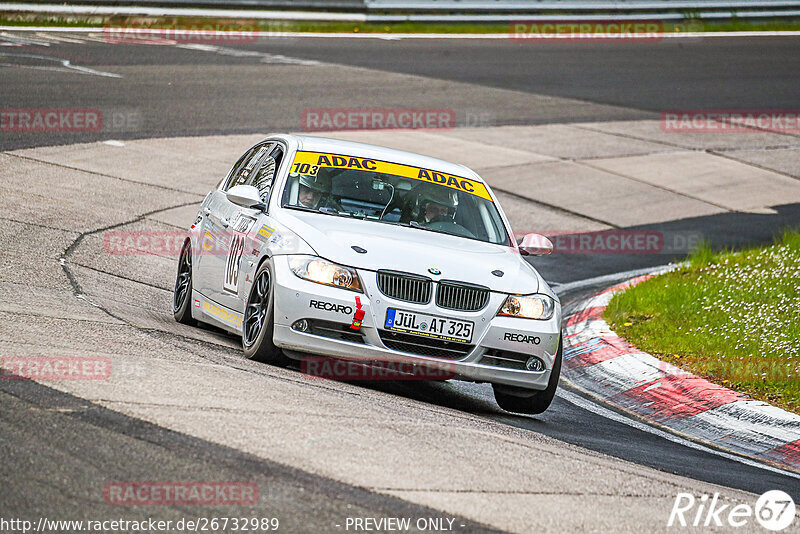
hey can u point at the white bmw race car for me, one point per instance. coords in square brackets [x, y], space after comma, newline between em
[315, 247]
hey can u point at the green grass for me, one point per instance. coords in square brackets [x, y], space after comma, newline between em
[730, 317]
[22, 19]
[47, 21]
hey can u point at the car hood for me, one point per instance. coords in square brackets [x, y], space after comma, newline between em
[412, 250]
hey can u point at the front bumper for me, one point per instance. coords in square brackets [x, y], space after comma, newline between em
[297, 299]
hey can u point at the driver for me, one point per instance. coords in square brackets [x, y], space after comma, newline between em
[314, 191]
[437, 205]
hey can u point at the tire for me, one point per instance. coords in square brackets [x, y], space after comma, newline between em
[520, 400]
[258, 323]
[182, 294]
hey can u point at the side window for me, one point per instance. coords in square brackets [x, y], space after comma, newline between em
[245, 166]
[277, 155]
[263, 174]
[235, 170]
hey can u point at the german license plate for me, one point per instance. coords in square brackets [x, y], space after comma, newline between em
[421, 324]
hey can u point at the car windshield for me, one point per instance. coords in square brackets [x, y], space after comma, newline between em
[354, 187]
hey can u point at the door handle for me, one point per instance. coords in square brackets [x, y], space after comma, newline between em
[217, 219]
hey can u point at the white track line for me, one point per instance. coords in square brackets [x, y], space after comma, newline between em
[610, 278]
[22, 41]
[265, 58]
[63, 9]
[596, 408]
[66, 65]
[393, 36]
[246, 14]
[59, 38]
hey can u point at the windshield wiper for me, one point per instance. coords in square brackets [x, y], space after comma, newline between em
[324, 209]
[355, 215]
[412, 224]
[301, 208]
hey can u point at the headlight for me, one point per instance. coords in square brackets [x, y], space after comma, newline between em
[324, 272]
[530, 307]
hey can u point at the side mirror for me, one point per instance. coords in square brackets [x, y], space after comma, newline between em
[535, 245]
[246, 196]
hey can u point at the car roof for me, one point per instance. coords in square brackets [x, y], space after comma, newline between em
[337, 146]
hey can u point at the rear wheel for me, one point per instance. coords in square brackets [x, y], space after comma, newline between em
[258, 323]
[520, 400]
[182, 296]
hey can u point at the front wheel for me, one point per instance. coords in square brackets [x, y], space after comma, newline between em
[258, 323]
[521, 400]
[182, 296]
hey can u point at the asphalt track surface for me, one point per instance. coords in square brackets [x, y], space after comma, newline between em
[185, 91]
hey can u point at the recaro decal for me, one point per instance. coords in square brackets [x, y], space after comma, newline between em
[310, 162]
[521, 338]
[330, 306]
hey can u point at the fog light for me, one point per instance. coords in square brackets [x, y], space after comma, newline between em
[300, 326]
[534, 364]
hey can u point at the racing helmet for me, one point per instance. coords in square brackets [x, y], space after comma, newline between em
[321, 183]
[440, 196]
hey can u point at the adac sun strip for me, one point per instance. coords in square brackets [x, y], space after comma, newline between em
[311, 162]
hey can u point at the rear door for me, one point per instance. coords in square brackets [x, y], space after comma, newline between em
[234, 224]
[211, 228]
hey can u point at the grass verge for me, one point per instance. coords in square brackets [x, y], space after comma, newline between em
[277, 26]
[730, 317]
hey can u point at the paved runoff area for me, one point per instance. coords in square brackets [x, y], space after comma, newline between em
[67, 294]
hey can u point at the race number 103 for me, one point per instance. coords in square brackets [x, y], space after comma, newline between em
[306, 168]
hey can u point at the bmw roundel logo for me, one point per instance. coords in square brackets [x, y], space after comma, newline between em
[434, 270]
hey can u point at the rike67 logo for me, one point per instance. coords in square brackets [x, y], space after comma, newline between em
[774, 510]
